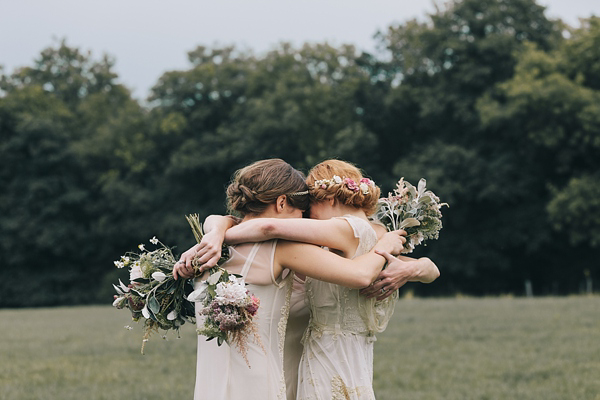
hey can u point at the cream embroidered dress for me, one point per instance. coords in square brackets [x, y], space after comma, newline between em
[337, 362]
[222, 372]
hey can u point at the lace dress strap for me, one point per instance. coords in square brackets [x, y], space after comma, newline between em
[364, 232]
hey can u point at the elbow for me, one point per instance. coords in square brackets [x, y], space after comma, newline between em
[268, 230]
[364, 280]
[212, 218]
[432, 272]
[434, 275]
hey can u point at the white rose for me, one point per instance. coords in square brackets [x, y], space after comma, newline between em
[231, 293]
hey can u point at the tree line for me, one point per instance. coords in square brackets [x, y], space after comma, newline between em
[496, 105]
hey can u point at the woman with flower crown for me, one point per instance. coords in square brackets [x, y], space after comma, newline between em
[338, 343]
[271, 189]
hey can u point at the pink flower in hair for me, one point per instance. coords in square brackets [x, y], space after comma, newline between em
[351, 185]
[367, 181]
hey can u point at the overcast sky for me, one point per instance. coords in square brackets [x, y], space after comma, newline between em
[149, 37]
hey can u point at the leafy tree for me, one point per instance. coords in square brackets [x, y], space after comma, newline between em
[439, 71]
[56, 120]
[551, 119]
[486, 99]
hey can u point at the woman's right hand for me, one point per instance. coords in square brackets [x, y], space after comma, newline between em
[392, 242]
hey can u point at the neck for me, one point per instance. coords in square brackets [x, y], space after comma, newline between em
[342, 209]
[268, 213]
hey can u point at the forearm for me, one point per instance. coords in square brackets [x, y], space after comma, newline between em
[323, 265]
[218, 223]
[368, 266]
[425, 270]
[371, 264]
[256, 230]
[333, 233]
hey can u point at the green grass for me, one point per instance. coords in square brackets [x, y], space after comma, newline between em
[491, 348]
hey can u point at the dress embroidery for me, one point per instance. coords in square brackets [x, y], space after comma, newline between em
[337, 362]
[339, 390]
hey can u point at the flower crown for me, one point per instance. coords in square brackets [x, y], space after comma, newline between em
[363, 185]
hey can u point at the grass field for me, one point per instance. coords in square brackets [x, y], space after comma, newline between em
[451, 349]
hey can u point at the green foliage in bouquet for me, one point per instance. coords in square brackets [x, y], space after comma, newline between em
[415, 210]
[153, 294]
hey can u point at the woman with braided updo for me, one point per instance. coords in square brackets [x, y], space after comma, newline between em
[270, 189]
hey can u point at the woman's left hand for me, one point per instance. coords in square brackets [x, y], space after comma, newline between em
[208, 251]
[183, 268]
[204, 255]
[393, 277]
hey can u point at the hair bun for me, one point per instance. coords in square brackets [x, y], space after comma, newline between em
[342, 181]
[248, 195]
[259, 184]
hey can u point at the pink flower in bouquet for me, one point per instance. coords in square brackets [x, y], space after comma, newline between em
[227, 318]
[253, 307]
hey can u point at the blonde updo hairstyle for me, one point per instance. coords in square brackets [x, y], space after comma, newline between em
[341, 192]
[256, 186]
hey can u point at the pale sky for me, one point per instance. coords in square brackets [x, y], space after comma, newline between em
[149, 37]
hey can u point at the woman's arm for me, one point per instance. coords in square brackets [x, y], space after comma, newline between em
[321, 264]
[208, 252]
[334, 233]
[400, 270]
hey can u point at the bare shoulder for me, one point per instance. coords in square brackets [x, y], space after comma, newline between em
[288, 248]
[379, 229]
[341, 223]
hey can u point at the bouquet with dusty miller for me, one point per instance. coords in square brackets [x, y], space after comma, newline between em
[415, 210]
[153, 294]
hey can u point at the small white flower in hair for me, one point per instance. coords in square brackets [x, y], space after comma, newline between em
[337, 179]
[364, 188]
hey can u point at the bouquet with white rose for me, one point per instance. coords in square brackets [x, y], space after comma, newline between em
[416, 210]
[228, 309]
[153, 294]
